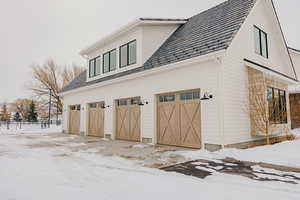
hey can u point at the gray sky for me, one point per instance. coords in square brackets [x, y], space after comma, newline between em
[33, 31]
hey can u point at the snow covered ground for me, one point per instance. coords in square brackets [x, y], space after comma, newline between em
[285, 153]
[28, 128]
[31, 170]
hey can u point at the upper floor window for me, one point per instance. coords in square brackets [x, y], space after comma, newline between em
[128, 54]
[94, 67]
[109, 61]
[261, 42]
[277, 106]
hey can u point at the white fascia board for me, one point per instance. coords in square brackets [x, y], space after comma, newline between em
[211, 56]
[294, 50]
[110, 37]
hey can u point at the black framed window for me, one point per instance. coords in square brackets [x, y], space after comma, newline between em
[277, 106]
[98, 66]
[95, 67]
[261, 42]
[128, 54]
[109, 61]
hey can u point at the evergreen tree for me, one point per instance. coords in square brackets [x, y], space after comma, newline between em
[17, 117]
[32, 115]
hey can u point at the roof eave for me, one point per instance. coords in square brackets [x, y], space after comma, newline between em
[211, 56]
[294, 50]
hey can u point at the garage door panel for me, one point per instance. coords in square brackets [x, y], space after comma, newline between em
[96, 122]
[179, 121]
[135, 121]
[122, 123]
[74, 120]
[168, 124]
[190, 125]
[128, 121]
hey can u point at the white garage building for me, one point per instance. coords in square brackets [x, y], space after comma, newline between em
[183, 82]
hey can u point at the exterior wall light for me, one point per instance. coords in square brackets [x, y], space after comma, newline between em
[104, 106]
[206, 96]
[143, 102]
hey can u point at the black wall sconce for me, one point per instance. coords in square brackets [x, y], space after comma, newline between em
[206, 96]
[143, 102]
[103, 106]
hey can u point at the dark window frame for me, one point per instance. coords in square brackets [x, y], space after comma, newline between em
[164, 98]
[127, 59]
[184, 96]
[260, 31]
[94, 67]
[109, 63]
[277, 115]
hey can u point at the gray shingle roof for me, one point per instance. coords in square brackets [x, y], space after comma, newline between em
[207, 32]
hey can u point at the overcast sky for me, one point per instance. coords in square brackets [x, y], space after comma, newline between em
[33, 31]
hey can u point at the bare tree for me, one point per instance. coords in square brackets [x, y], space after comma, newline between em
[22, 106]
[69, 74]
[50, 78]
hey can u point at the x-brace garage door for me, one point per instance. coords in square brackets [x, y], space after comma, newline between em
[96, 119]
[128, 119]
[179, 119]
[74, 119]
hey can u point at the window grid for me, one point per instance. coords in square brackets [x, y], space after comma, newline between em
[130, 50]
[110, 64]
[261, 42]
[94, 67]
[277, 106]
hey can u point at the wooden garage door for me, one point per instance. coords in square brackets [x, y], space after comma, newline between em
[74, 120]
[179, 119]
[96, 120]
[128, 119]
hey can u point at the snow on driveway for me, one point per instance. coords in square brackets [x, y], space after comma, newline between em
[47, 172]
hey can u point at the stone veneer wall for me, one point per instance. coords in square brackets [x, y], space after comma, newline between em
[258, 82]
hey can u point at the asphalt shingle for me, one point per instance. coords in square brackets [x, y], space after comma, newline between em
[207, 32]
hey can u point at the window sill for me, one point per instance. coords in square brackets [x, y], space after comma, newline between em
[118, 70]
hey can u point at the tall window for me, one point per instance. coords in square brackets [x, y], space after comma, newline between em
[261, 42]
[109, 61]
[128, 54]
[277, 105]
[95, 67]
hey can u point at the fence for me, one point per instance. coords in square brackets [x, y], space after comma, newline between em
[44, 124]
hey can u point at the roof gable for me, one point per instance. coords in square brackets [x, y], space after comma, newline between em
[263, 15]
[207, 32]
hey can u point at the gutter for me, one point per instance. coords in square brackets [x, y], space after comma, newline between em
[283, 76]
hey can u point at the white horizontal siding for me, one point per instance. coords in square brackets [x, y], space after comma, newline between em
[236, 116]
[203, 75]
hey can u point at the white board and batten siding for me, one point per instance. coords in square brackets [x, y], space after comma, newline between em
[203, 75]
[236, 117]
